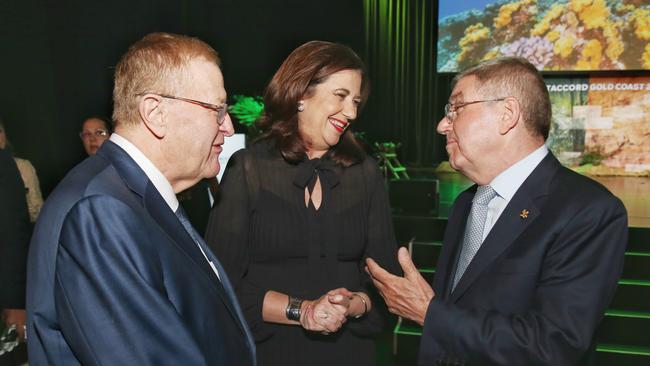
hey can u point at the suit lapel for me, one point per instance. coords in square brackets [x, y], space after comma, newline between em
[522, 210]
[161, 212]
[156, 206]
[167, 220]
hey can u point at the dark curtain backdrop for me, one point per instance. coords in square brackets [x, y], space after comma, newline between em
[408, 95]
[57, 57]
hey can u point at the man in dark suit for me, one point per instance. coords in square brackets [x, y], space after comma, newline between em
[14, 238]
[116, 274]
[532, 252]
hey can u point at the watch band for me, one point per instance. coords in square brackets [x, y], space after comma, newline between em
[293, 308]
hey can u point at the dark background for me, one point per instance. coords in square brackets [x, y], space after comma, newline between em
[57, 60]
[58, 57]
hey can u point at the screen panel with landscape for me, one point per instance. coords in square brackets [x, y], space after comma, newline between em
[601, 125]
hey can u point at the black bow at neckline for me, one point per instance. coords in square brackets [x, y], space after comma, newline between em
[325, 168]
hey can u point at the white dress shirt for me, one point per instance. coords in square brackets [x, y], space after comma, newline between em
[508, 182]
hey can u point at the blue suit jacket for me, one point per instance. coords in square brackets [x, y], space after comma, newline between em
[114, 278]
[539, 285]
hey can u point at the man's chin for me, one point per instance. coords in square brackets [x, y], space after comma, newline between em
[212, 171]
[454, 164]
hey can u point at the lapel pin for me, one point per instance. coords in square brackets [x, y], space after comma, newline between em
[524, 214]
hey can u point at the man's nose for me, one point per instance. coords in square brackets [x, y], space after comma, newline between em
[443, 126]
[226, 127]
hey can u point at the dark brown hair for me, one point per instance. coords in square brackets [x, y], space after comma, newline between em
[516, 77]
[307, 66]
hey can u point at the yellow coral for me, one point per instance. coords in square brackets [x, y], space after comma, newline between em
[645, 57]
[625, 8]
[615, 44]
[577, 5]
[544, 24]
[594, 15]
[505, 12]
[564, 46]
[591, 56]
[491, 54]
[473, 34]
[552, 35]
[642, 24]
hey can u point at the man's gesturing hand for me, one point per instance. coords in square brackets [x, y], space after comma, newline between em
[407, 296]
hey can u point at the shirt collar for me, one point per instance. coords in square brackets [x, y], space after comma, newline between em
[508, 182]
[155, 176]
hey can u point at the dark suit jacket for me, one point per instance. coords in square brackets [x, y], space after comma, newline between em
[114, 278]
[14, 234]
[539, 285]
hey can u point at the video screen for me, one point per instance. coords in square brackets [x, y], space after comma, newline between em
[554, 35]
[601, 124]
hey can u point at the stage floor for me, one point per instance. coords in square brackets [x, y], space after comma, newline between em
[633, 191]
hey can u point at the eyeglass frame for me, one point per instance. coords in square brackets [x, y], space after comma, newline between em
[453, 108]
[221, 110]
[100, 132]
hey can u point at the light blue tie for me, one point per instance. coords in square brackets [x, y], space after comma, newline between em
[182, 217]
[474, 230]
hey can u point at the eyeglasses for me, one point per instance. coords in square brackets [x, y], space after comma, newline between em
[100, 132]
[220, 109]
[451, 110]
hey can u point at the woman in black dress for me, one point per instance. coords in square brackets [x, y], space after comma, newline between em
[298, 212]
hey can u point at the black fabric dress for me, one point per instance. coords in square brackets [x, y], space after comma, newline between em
[267, 239]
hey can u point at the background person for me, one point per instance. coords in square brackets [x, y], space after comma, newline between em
[94, 131]
[29, 177]
[532, 253]
[298, 212]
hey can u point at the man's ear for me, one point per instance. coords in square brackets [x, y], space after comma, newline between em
[511, 115]
[152, 114]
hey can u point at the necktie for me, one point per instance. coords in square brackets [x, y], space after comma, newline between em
[474, 230]
[219, 271]
[182, 217]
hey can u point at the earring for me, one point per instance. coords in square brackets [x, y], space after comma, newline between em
[301, 106]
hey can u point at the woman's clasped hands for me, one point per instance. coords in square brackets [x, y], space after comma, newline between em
[328, 313]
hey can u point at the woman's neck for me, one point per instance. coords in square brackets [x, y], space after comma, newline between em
[313, 154]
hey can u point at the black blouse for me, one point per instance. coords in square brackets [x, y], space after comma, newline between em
[267, 239]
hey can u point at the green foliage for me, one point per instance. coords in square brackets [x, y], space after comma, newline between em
[247, 109]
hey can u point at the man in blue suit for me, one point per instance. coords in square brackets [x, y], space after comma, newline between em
[532, 252]
[116, 274]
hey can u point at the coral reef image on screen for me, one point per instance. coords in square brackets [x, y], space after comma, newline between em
[601, 125]
[564, 35]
